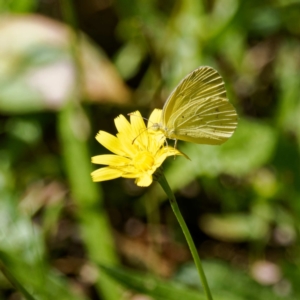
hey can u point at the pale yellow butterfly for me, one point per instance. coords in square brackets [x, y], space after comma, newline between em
[198, 110]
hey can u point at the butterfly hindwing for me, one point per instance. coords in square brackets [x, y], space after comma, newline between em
[211, 120]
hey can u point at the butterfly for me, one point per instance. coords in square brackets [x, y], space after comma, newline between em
[198, 110]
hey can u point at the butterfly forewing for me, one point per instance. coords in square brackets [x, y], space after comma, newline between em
[201, 83]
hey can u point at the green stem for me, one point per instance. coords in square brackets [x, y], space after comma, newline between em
[164, 184]
[14, 282]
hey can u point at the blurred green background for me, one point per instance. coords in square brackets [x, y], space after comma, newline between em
[67, 69]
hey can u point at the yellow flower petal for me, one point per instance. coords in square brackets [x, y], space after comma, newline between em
[160, 159]
[164, 152]
[156, 141]
[131, 175]
[110, 142]
[139, 128]
[106, 173]
[127, 142]
[123, 126]
[138, 151]
[110, 159]
[169, 151]
[144, 180]
[155, 117]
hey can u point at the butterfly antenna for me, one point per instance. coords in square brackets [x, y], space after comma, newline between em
[132, 114]
[139, 135]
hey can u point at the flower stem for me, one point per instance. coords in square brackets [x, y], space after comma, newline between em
[164, 184]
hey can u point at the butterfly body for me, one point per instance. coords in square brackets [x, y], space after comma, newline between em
[198, 110]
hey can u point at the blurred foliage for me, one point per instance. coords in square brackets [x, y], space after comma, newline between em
[60, 85]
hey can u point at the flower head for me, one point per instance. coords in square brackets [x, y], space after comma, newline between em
[138, 151]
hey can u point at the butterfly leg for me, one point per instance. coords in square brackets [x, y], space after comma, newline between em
[175, 144]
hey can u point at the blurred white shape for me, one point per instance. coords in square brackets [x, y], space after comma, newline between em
[54, 82]
[44, 62]
[285, 234]
[265, 272]
[89, 273]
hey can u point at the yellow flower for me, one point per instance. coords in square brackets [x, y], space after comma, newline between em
[138, 151]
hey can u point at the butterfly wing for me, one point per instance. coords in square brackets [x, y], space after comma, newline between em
[201, 83]
[210, 120]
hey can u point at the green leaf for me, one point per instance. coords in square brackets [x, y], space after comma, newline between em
[235, 227]
[231, 283]
[18, 6]
[150, 285]
[15, 282]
